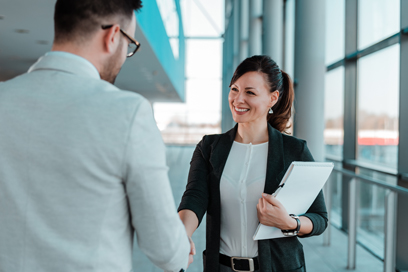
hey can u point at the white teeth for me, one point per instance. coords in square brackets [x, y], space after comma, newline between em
[241, 110]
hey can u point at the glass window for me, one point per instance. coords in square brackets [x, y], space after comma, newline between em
[334, 112]
[335, 16]
[200, 58]
[377, 19]
[378, 107]
[203, 18]
[170, 19]
[186, 123]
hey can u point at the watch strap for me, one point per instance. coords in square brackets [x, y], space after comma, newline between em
[295, 231]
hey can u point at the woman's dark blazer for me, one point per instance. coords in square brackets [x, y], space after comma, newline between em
[203, 195]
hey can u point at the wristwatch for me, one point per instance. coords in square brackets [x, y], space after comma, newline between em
[294, 232]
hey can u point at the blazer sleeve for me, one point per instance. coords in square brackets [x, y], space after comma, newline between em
[160, 233]
[196, 195]
[317, 212]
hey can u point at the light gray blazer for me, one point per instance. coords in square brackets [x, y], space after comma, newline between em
[82, 168]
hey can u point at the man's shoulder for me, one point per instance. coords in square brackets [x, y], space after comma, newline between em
[125, 94]
[111, 94]
[92, 91]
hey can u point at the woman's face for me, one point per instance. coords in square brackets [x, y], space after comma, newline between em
[250, 99]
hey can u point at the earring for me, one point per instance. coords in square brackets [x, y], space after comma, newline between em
[270, 111]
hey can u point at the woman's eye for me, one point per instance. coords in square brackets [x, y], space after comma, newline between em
[234, 89]
[249, 92]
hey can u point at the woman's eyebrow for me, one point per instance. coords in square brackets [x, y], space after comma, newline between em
[246, 88]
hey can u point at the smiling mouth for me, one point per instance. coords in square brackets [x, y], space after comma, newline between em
[241, 110]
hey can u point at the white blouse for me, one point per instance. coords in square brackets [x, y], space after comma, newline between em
[242, 184]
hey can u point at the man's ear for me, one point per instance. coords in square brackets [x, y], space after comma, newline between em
[111, 38]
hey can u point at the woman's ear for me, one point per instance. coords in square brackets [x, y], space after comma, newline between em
[274, 98]
[111, 39]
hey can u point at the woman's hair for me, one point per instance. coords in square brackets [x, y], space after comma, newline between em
[276, 80]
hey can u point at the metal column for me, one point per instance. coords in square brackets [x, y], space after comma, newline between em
[272, 24]
[310, 71]
[227, 62]
[255, 27]
[402, 224]
[229, 57]
[244, 30]
[236, 41]
[350, 99]
[390, 231]
[352, 225]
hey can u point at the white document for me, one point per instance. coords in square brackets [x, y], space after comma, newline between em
[301, 185]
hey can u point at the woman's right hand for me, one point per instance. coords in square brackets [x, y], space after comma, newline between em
[192, 251]
[190, 222]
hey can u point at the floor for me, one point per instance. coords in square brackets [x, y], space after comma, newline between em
[319, 258]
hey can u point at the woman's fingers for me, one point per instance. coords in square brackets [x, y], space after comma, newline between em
[271, 199]
[190, 260]
[271, 212]
[192, 246]
[192, 251]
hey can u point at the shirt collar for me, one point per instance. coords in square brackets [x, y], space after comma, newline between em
[67, 62]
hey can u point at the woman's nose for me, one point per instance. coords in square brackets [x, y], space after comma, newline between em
[239, 98]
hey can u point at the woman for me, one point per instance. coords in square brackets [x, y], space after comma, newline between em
[233, 175]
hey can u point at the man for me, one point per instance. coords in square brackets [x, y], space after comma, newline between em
[82, 163]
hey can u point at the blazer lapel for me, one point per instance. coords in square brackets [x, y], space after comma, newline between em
[221, 150]
[275, 166]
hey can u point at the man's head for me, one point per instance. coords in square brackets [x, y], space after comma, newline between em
[81, 28]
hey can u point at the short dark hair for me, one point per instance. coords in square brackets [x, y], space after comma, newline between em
[277, 80]
[76, 19]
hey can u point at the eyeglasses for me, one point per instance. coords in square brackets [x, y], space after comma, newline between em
[133, 45]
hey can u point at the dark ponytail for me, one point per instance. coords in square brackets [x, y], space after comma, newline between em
[282, 110]
[277, 80]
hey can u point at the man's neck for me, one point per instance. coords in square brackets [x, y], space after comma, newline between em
[79, 51]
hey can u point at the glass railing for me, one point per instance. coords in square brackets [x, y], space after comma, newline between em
[371, 210]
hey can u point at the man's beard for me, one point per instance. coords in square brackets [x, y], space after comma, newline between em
[112, 67]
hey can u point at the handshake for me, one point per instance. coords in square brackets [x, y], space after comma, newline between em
[191, 254]
[192, 251]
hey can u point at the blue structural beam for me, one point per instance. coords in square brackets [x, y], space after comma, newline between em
[149, 20]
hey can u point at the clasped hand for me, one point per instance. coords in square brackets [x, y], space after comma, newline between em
[192, 251]
[272, 213]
